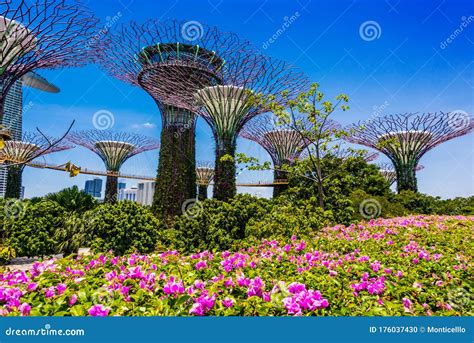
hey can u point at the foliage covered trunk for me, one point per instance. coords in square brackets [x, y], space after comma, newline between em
[406, 177]
[224, 173]
[202, 192]
[111, 189]
[14, 174]
[278, 176]
[176, 176]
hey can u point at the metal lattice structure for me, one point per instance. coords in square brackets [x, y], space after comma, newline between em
[41, 34]
[205, 174]
[156, 56]
[283, 143]
[17, 153]
[227, 107]
[114, 148]
[405, 138]
[390, 175]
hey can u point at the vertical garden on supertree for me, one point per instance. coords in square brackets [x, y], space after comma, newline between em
[405, 138]
[204, 174]
[283, 143]
[15, 155]
[388, 172]
[40, 34]
[113, 148]
[247, 81]
[155, 56]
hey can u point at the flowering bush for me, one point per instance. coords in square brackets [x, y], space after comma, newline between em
[416, 265]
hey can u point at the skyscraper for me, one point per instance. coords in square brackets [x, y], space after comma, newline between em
[145, 192]
[94, 187]
[13, 116]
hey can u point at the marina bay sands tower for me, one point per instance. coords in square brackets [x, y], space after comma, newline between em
[13, 118]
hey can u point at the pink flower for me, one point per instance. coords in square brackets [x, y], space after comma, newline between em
[399, 274]
[50, 292]
[255, 287]
[439, 283]
[415, 261]
[98, 311]
[32, 286]
[228, 302]
[375, 266]
[25, 309]
[332, 273]
[172, 287]
[201, 265]
[72, 299]
[417, 285]
[203, 305]
[407, 304]
[61, 288]
[199, 284]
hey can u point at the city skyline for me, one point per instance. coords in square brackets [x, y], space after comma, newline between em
[408, 68]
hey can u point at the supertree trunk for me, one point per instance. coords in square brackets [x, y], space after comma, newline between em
[111, 189]
[202, 192]
[279, 175]
[13, 189]
[176, 171]
[224, 178]
[406, 177]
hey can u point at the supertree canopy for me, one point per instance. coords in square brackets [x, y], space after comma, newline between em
[38, 34]
[227, 107]
[283, 143]
[114, 148]
[205, 174]
[16, 154]
[156, 56]
[405, 138]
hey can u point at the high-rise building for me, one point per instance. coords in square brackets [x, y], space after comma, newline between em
[129, 194]
[13, 112]
[12, 120]
[145, 193]
[94, 187]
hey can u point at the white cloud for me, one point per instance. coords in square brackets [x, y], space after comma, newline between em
[146, 125]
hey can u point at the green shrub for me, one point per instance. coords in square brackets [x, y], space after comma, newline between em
[287, 218]
[368, 206]
[30, 228]
[72, 235]
[218, 225]
[73, 200]
[122, 227]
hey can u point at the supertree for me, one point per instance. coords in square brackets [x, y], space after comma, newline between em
[154, 56]
[41, 34]
[247, 79]
[388, 172]
[405, 138]
[114, 148]
[205, 174]
[15, 154]
[283, 143]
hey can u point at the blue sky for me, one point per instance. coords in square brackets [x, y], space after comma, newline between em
[406, 67]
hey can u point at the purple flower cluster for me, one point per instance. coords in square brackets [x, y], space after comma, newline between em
[302, 299]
